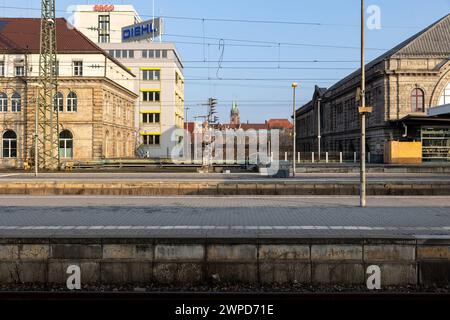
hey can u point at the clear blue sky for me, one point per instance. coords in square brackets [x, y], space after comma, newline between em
[261, 100]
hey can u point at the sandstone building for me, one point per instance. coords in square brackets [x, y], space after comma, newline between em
[94, 100]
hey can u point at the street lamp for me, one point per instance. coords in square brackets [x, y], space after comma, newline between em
[294, 86]
[318, 126]
[363, 109]
[186, 119]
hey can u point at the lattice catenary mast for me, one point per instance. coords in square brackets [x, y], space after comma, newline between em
[47, 126]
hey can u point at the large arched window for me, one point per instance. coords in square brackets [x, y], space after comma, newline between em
[65, 145]
[3, 102]
[417, 100]
[72, 102]
[9, 144]
[445, 98]
[16, 102]
[58, 102]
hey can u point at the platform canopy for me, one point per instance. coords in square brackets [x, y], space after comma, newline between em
[439, 110]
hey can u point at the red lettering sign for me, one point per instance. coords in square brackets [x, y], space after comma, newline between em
[104, 7]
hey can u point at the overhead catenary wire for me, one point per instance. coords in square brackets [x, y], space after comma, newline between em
[252, 21]
[246, 42]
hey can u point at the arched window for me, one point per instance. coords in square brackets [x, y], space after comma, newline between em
[118, 145]
[58, 102]
[3, 102]
[9, 144]
[65, 145]
[445, 98]
[106, 150]
[417, 100]
[16, 102]
[72, 102]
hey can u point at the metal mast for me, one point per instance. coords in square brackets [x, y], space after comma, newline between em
[47, 127]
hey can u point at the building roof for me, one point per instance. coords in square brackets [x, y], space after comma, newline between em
[22, 35]
[279, 124]
[318, 93]
[243, 126]
[439, 110]
[433, 41]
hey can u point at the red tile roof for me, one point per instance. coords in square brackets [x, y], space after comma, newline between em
[23, 34]
[279, 124]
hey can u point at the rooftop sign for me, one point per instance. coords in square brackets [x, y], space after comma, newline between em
[104, 7]
[145, 30]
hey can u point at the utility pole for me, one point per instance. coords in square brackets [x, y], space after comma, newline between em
[212, 105]
[46, 116]
[318, 126]
[186, 119]
[362, 111]
[294, 86]
[210, 120]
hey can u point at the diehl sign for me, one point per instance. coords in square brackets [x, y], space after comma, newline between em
[104, 7]
[144, 30]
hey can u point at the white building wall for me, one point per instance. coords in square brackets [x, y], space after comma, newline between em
[85, 19]
[171, 106]
[171, 111]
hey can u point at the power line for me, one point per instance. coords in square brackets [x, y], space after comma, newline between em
[270, 68]
[260, 43]
[255, 43]
[203, 19]
[275, 44]
[272, 61]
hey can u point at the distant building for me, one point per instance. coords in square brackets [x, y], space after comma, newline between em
[159, 70]
[405, 86]
[95, 100]
[284, 126]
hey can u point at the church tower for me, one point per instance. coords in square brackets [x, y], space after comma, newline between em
[234, 115]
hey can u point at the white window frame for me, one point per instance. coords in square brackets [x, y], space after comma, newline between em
[150, 139]
[19, 74]
[150, 118]
[72, 102]
[16, 102]
[151, 96]
[66, 154]
[3, 102]
[78, 68]
[445, 98]
[151, 75]
[59, 102]
[9, 148]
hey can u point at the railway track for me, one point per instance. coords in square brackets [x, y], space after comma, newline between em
[178, 305]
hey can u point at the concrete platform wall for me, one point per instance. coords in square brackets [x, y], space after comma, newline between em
[220, 188]
[200, 261]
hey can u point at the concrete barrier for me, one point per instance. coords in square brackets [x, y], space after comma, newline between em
[284, 188]
[203, 261]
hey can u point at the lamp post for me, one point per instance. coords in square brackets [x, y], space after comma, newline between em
[318, 126]
[294, 87]
[186, 119]
[362, 112]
